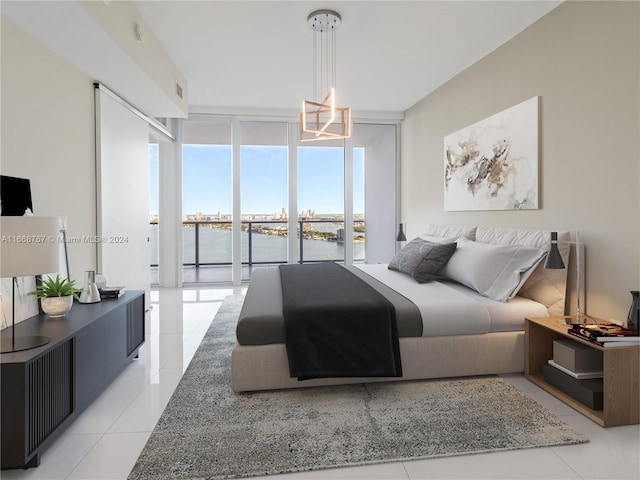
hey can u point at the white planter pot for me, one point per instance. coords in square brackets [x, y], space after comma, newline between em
[56, 306]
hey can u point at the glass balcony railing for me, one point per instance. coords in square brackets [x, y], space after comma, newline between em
[209, 242]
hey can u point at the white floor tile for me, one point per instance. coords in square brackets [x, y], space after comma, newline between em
[144, 412]
[105, 410]
[385, 471]
[535, 463]
[612, 453]
[58, 461]
[111, 458]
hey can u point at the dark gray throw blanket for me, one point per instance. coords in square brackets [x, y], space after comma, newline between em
[337, 325]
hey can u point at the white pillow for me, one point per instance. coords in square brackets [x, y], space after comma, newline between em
[455, 231]
[434, 239]
[495, 271]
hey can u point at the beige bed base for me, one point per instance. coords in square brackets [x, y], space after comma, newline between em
[265, 367]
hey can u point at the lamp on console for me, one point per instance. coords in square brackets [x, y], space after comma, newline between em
[29, 247]
[554, 261]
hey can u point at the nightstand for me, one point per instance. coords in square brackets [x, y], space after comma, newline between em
[621, 368]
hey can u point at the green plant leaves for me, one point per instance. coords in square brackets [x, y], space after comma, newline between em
[55, 287]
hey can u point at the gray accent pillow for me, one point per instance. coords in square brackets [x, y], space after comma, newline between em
[422, 259]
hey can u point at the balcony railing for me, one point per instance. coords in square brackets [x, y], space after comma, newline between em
[263, 227]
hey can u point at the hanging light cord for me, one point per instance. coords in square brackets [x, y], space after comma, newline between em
[315, 69]
[333, 54]
[324, 56]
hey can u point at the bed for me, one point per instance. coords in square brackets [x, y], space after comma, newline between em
[466, 328]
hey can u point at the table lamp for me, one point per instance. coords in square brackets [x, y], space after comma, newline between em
[29, 247]
[401, 237]
[554, 260]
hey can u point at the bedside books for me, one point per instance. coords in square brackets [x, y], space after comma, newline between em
[111, 292]
[606, 335]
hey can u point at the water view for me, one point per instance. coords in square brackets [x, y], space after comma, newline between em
[215, 246]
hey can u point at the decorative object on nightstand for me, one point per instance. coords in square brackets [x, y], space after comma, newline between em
[554, 261]
[576, 369]
[90, 293]
[56, 295]
[401, 237]
[101, 280]
[634, 312]
[28, 247]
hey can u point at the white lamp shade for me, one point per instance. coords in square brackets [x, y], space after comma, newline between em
[29, 246]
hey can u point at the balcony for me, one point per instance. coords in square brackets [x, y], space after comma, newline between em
[207, 244]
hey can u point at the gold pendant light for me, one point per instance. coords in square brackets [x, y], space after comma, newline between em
[323, 120]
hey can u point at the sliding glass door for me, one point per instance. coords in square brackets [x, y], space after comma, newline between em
[251, 186]
[263, 194]
[321, 203]
[206, 201]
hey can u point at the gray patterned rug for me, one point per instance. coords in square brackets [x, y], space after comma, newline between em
[208, 432]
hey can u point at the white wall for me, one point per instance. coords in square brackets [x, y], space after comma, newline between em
[380, 190]
[582, 59]
[48, 136]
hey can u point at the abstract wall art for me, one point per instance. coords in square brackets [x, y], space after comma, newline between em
[493, 164]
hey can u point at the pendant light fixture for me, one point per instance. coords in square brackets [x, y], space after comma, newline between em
[320, 118]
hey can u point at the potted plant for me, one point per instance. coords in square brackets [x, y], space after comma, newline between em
[56, 295]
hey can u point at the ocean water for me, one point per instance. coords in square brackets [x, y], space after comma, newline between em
[215, 247]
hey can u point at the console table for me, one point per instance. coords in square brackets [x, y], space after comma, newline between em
[44, 389]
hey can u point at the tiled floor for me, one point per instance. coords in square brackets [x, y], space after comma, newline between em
[209, 274]
[104, 442]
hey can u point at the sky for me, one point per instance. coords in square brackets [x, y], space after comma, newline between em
[206, 179]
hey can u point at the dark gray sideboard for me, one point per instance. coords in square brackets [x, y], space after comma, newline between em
[46, 388]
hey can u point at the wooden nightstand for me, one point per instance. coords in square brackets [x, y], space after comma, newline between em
[621, 367]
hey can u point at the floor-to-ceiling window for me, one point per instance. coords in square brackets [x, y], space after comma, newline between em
[263, 194]
[253, 196]
[321, 202]
[206, 200]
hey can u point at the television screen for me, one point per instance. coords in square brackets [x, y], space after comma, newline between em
[15, 195]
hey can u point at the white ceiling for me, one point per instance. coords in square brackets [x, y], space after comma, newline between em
[241, 55]
[256, 56]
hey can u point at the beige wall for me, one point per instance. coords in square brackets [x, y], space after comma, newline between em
[118, 20]
[582, 59]
[48, 136]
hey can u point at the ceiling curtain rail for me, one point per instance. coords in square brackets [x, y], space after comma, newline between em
[153, 123]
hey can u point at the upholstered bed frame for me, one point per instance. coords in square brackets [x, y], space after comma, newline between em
[265, 367]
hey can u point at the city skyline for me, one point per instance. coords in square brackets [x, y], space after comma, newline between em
[207, 180]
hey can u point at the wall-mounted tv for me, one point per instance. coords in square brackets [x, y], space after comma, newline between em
[15, 196]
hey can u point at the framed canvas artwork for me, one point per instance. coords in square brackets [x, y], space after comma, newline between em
[493, 164]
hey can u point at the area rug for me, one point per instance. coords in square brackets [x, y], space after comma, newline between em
[207, 431]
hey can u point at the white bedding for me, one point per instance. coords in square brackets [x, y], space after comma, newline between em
[448, 308]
